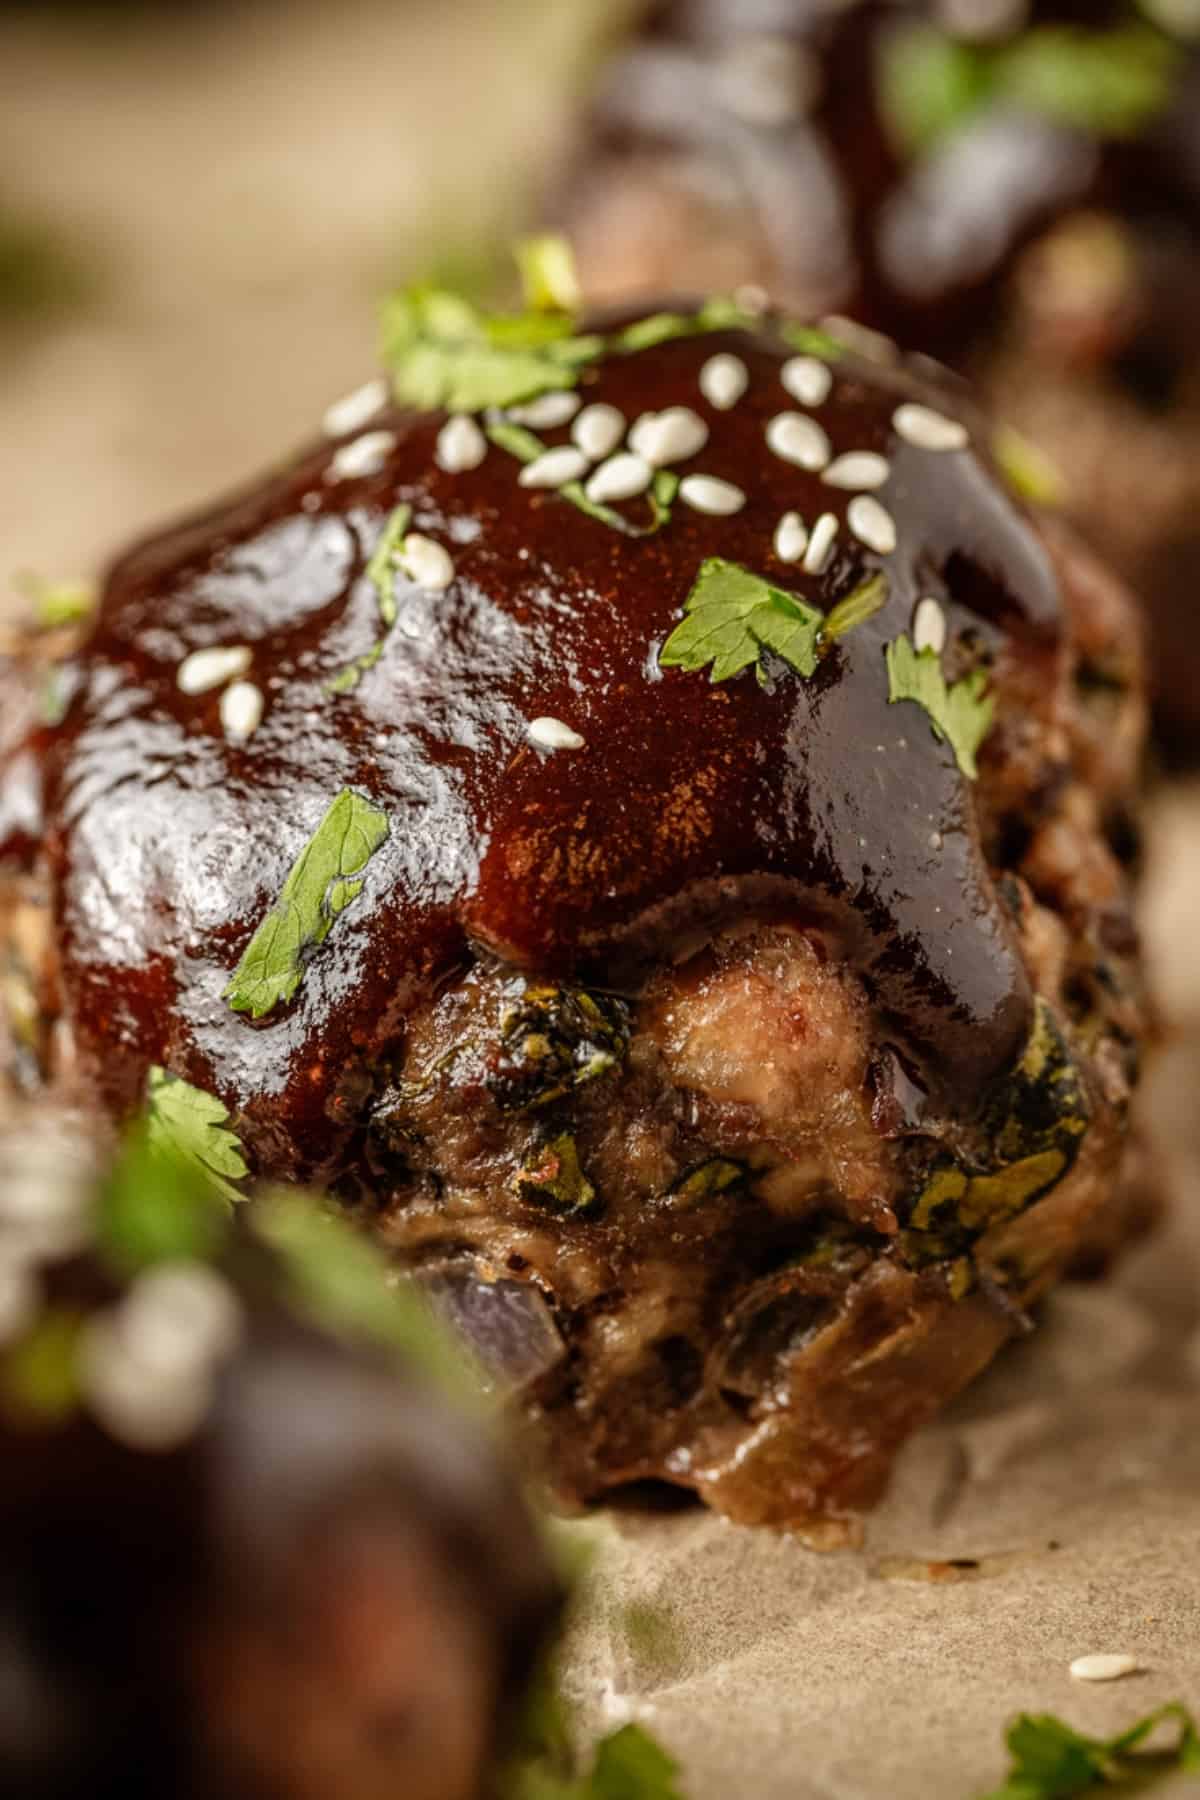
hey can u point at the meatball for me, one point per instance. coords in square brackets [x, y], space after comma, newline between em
[650, 842]
[247, 1550]
[1013, 188]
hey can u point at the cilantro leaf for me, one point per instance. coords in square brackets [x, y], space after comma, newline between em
[316, 891]
[443, 352]
[548, 275]
[962, 714]
[812, 341]
[631, 1766]
[160, 1204]
[732, 615]
[1052, 1761]
[857, 607]
[381, 573]
[185, 1121]
[929, 83]
[720, 313]
[526, 446]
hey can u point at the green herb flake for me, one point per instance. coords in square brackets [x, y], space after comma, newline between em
[162, 1202]
[381, 569]
[184, 1120]
[442, 351]
[548, 275]
[732, 616]
[1111, 83]
[1030, 473]
[631, 1766]
[719, 313]
[960, 714]
[811, 341]
[928, 84]
[317, 890]
[526, 446]
[1052, 1761]
[59, 603]
[39, 1385]
[857, 607]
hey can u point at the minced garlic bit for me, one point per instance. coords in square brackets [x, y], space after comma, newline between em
[552, 734]
[1104, 1667]
[204, 670]
[356, 410]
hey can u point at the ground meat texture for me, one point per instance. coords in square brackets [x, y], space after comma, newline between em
[731, 1067]
[1053, 260]
[325, 1582]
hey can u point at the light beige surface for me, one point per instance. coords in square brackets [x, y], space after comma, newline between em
[251, 183]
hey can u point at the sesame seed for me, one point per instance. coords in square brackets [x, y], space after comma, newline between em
[872, 524]
[929, 626]
[546, 412]
[858, 469]
[552, 734]
[352, 413]
[361, 456]
[927, 429]
[799, 440]
[668, 437]
[791, 538]
[709, 494]
[1104, 1668]
[20, 1298]
[598, 430]
[241, 710]
[723, 381]
[555, 468]
[426, 563]
[820, 545]
[620, 478]
[807, 379]
[204, 670]
[460, 444]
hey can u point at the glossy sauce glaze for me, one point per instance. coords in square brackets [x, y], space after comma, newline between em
[167, 843]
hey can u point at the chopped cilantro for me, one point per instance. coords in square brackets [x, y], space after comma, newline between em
[160, 1204]
[59, 603]
[1028, 470]
[318, 889]
[443, 352]
[548, 274]
[857, 607]
[732, 616]
[1052, 1761]
[720, 313]
[381, 573]
[526, 446]
[626, 1765]
[195, 1126]
[961, 714]
[811, 341]
[1110, 82]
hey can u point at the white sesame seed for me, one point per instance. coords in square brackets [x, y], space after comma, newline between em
[204, 670]
[352, 413]
[555, 468]
[872, 524]
[552, 734]
[927, 429]
[620, 478]
[460, 444]
[180, 1315]
[709, 494]
[598, 430]
[426, 563]
[241, 711]
[1104, 1668]
[668, 437]
[799, 440]
[20, 1297]
[820, 545]
[791, 538]
[807, 379]
[546, 412]
[929, 625]
[361, 456]
[858, 469]
[723, 381]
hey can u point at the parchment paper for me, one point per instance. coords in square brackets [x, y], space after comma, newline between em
[1070, 1473]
